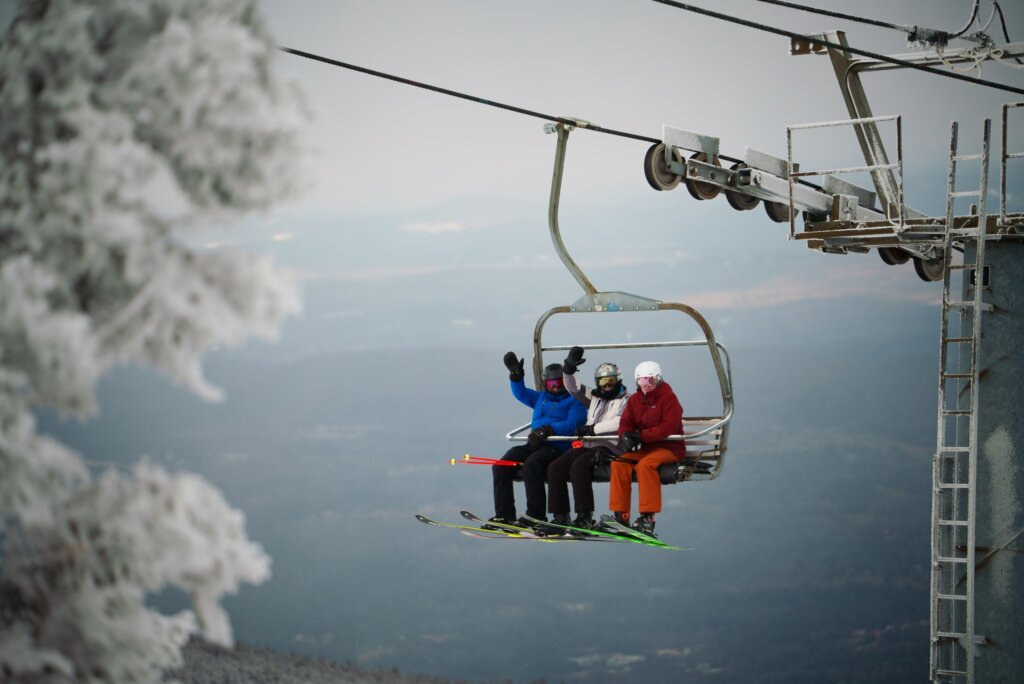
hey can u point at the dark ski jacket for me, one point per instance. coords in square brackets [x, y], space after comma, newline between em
[655, 416]
[563, 413]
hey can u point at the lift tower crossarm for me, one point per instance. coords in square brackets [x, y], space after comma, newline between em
[857, 105]
[947, 57]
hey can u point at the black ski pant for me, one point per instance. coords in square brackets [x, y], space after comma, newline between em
[535, 465]
[576, 465]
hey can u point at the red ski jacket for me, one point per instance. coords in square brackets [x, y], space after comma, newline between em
[655, 416]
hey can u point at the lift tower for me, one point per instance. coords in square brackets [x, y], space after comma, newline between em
[977, 547]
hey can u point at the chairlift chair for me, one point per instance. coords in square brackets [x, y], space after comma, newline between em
[706, 437]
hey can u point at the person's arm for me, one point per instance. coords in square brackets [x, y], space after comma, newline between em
[628, 421]
[671, 422]
[523, 393]
[580, 392]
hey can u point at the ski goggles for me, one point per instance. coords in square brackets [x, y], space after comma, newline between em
[647, 382]
[553, 384]
[607, 383]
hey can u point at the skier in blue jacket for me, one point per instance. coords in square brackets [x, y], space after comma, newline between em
[555, 412]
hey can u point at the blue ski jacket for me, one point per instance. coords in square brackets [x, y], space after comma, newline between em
[563, 413]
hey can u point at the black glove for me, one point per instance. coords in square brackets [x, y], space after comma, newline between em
[602, 456]
[574, 359]
[538, 436]
[628, 441]
[584, 431]
[515, 366]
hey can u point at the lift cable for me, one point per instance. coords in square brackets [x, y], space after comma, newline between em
[473, 98]
[1002, 21]
[837, 46]
[974, 15]
[464, 96]
[837, 15]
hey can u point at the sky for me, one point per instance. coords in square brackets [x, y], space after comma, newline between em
[422, 243]
[427, 186]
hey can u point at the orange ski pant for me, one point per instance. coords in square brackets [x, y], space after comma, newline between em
[646, 462]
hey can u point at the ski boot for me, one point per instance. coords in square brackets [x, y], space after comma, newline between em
[584, 521]
[621, 518]
[550, 531]
[645, 524]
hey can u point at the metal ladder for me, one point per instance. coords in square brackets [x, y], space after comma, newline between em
[954, 637]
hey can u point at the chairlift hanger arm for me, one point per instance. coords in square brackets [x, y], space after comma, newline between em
[563, 129]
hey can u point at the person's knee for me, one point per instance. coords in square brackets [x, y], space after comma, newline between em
[580, 467]
[533, 467]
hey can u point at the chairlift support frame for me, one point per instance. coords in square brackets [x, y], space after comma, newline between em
[706, 437]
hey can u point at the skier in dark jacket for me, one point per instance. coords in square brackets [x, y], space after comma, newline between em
[555, 412]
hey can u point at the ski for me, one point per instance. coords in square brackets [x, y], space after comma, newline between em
[475, 530]
[596, 535]
[470, 528]
[528, 533]
[513, 537]
[612, 523]
[515, 529]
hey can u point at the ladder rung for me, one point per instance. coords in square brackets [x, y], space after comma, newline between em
[952, 597]
[953, 485]
[956, 376]
[965, 193]
[956, 449]
[951, 673]
[951, 635]
[951, 559]
[1014, 155]
[967, 157]
[956, 412]
[954, 523]
[959, 340]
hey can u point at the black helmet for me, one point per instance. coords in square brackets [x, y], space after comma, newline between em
[553, 371]
[553, 379]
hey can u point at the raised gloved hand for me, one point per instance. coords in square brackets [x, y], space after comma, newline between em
[538, 436]
[628, 441]
[573, 360]
[584, 431]
[515, 366]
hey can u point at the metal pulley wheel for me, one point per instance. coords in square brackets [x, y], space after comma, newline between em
[777, 211]
[699, 189]
[929, 270]
[656, 170]
[738, 200]
[894, 256]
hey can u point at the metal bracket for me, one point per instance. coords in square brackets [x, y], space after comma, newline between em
[613, 302]
[688, 140]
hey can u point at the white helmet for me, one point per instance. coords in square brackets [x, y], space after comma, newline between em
[647, 369]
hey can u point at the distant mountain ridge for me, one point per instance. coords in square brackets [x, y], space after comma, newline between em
[209, 664]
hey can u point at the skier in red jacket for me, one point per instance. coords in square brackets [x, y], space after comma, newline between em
[651, 414]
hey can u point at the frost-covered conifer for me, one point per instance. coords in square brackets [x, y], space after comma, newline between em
[126, 126]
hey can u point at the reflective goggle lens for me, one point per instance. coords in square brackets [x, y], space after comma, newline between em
[552, 384]
[607, 383]
[646, 381]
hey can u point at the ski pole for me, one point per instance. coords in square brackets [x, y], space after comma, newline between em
[483, 460]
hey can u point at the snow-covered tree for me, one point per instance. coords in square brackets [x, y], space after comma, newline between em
[126, 126]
